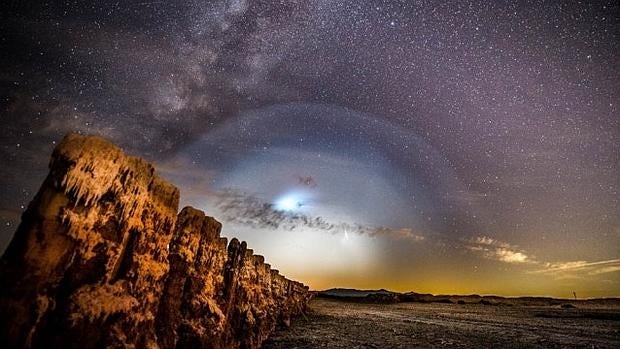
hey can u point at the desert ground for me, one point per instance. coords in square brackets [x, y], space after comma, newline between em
[332, 323]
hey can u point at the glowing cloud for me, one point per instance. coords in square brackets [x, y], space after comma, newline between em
[498, 250]
[248, 210]
[561, 269]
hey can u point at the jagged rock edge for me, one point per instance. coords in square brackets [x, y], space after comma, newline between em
[102, 259]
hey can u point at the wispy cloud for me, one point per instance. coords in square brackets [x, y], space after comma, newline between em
[246, 209]
[605, 270]
[498, 250]
[243, 208]
[505, 252]
[564, 269]
[397, 234]
[509, 256]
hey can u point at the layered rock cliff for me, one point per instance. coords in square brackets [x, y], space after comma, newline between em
[101, 259]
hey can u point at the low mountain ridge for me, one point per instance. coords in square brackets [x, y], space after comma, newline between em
[386, 296]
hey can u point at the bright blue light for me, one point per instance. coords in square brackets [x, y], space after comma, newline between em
[288, 202]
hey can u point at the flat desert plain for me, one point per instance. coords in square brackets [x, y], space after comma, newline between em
[332, 323]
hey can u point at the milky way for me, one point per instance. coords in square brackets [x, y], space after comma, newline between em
[425, 145]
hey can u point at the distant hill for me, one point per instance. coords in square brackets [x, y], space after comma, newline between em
[351, 292]
[386, 296]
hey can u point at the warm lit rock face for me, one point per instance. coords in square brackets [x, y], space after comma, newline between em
[101, 259]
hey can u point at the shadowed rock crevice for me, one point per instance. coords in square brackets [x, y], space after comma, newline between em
[101, 259]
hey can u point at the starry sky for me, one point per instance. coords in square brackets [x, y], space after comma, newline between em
[433, 146]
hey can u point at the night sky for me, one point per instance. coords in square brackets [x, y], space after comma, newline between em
[444, 147]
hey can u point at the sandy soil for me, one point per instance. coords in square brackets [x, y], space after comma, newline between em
[339, 324]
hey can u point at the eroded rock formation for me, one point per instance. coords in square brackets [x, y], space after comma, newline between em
[101, 259]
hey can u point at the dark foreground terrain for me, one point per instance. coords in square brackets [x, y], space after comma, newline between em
[340, 324]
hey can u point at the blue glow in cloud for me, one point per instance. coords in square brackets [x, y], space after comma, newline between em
[289, 202]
